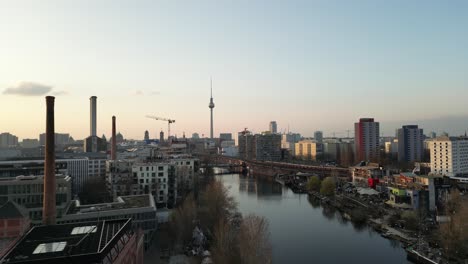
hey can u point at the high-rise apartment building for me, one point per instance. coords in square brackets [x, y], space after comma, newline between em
[306, 149]
[410, 143]
[366, 140]
[273, 127]
[449, 156]
[225, 136]
[268, 147]
[318, 136]
[60, 138]
[8, 140]
[246, 144]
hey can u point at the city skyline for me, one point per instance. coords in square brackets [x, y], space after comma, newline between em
[309, 66]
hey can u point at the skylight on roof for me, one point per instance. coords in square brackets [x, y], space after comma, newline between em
[50, 247]
[84, 230]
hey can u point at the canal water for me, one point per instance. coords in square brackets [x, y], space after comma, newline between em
[304, 232]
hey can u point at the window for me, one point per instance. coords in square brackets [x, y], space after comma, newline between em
[50, 247]
[84, 229]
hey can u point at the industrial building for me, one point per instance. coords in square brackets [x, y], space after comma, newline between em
[140, 208]
[93, 143]
[108, 241]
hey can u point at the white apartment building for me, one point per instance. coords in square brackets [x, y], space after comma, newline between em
[155, 178]
[449, 156]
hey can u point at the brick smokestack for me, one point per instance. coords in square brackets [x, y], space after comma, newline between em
[92, 118]
[114, 141]
[48, 210]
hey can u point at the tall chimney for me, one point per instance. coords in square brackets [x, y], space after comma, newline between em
[114, 140]
[48, 210]
[92, 101]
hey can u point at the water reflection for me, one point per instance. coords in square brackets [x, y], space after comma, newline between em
[261, 189]
[303, 231]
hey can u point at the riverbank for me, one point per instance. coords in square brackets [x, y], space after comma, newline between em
[355, 210]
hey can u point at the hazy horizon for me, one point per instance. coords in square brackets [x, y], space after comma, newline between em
[317, 65]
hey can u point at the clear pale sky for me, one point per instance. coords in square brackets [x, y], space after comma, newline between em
[315, 65]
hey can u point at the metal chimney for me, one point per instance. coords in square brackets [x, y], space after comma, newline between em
[92, 101]
[114, 140]
[48, 211]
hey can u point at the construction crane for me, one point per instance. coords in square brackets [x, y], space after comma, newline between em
[169, 122]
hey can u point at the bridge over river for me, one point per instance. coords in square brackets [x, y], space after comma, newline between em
[269, 168]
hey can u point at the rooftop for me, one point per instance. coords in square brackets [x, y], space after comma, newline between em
[87, 242]
[123, 202]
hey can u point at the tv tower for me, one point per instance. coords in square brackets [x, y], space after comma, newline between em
[211, 106]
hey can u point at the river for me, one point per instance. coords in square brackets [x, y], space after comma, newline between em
[304, 232]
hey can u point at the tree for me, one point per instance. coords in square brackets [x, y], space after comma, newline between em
[328, 187]
[314, 184]
[182, 221]
[411, 220]
[215, 204]
[225, 248]
[453, 234]
[254, 240]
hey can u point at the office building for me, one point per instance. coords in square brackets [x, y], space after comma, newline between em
[410, 144]
[366, 141]
[80, 169]
[28, 192]
[449, 156]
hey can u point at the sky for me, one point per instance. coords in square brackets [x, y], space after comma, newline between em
[309, 65]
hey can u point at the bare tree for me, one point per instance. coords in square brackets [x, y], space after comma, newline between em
[254, 240]
[225, 248]
[215, 204]
[182, 221]
[454, 233]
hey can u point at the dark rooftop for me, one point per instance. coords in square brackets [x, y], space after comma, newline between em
[10, 210]
[123, 202]
[86, 242]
